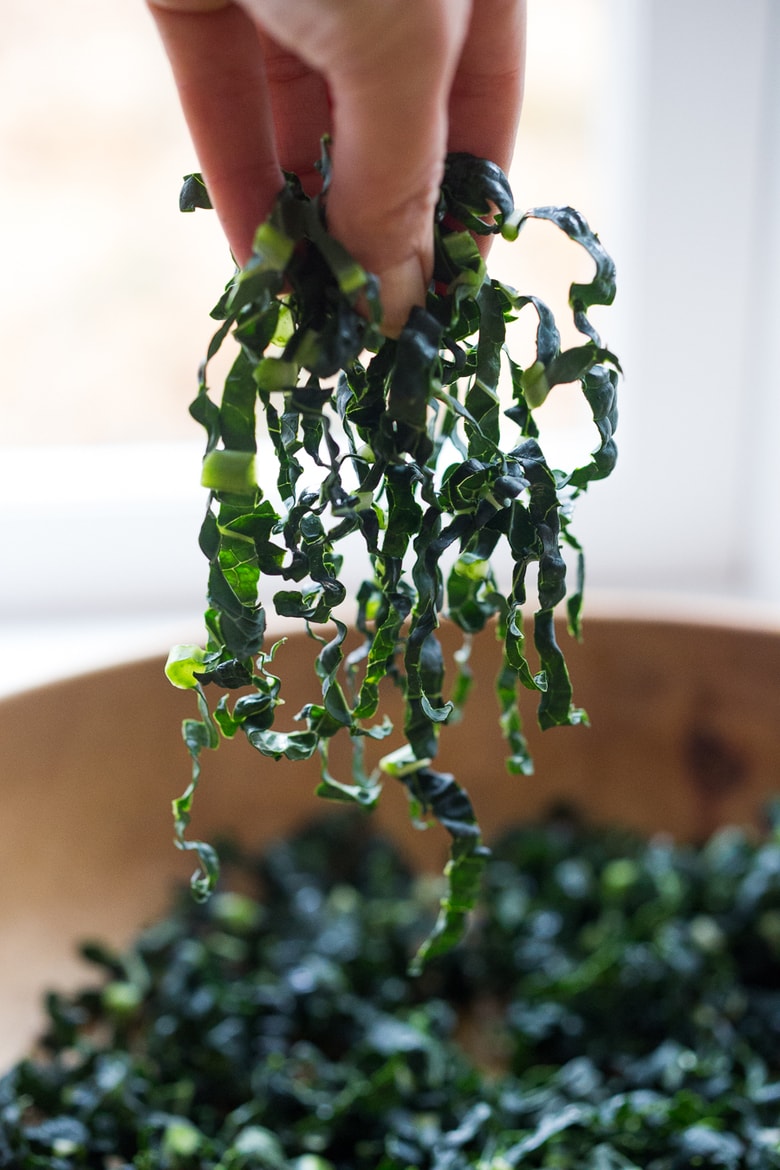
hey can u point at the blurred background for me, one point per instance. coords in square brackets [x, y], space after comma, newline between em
[658, 119]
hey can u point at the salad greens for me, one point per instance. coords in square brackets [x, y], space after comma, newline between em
[614, 1006]
[425, 449]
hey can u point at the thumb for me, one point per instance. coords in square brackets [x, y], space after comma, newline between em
[389, 146]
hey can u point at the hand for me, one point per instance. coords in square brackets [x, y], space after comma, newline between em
[398, 84]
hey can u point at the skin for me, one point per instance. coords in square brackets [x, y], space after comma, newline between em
[397, 83]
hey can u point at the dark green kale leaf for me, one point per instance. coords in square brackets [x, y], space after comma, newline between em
[424, 446]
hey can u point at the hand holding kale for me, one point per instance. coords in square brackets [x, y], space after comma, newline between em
[397, 84]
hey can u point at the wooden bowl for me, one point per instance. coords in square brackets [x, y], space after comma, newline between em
[684, 737]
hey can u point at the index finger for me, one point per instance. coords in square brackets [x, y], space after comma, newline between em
[487, 92]
[217, 62]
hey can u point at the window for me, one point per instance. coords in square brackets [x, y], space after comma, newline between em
[658, 119]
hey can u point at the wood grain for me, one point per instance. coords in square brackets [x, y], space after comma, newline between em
[684, 736]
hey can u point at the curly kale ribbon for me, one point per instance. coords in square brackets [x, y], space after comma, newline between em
[425, 448]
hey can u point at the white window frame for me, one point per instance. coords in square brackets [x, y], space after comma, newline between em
[692, 128]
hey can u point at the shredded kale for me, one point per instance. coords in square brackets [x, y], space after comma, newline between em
[422, 447]
[614, 1006]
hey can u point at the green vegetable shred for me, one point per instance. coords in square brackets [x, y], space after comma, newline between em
[424, 449]
[615, 1005]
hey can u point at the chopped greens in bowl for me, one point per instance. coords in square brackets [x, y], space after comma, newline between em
[614, 1005]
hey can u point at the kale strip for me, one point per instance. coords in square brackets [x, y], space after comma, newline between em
[427, 448]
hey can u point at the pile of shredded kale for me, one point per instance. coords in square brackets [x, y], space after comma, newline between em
[614, 1006]
[418, 458]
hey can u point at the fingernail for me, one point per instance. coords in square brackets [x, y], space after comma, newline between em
[400, 288]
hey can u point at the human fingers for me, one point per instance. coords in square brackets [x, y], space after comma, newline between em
[300, 107]
[217, 62]
[487, 91]
[405, 90]
[390, 143]
[390, 68]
